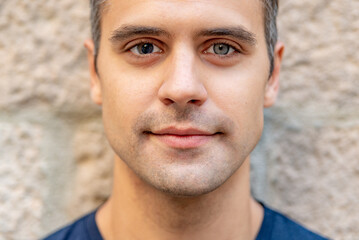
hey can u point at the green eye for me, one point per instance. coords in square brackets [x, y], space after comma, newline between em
[220, 49]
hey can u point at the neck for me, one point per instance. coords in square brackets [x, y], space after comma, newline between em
[136, 210]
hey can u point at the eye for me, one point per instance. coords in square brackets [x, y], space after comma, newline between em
[145, 48]
[220, 49]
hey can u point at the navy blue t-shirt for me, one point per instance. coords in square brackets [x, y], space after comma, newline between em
[275, 226]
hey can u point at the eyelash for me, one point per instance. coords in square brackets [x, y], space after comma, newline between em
[142, 41]
[237, 50]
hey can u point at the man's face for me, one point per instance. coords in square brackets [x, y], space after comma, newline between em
[183, 85]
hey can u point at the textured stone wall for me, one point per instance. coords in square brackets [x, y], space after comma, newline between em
[55, 163]
[310, 144]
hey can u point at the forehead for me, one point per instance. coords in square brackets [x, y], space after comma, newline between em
[183, 16]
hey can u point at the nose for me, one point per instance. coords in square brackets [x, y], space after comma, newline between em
[181, 85]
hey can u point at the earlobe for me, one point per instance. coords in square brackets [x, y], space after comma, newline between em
[272, 86]
[96, 94]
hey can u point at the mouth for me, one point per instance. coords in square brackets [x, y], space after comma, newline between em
[183, 138]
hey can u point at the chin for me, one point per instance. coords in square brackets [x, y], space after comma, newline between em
[187, 181]
[183, 173]
[191, 192]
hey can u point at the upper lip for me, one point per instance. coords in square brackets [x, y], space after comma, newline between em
[182, 131]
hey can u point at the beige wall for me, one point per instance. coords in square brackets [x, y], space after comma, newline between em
[55, 163]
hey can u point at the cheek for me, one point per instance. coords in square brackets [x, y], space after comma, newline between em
[236, 90]
[240, 95]
[125, 96]
[126, 90]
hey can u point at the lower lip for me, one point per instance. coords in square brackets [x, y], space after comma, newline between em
[183, 142]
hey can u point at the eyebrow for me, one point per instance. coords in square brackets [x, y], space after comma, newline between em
[238, 32]
[128, 31]
[125, 32]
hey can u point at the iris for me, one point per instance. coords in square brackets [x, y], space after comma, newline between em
[221, 49]
[145, 48]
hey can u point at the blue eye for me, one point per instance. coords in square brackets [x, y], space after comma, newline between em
[220, 49]
[145, 48]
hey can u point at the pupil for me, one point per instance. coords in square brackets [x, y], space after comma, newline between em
[221, 49]
[146, 48]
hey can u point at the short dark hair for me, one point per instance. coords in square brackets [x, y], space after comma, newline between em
[270, 25]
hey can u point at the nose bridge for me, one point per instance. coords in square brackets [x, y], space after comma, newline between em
[181, 66]
[182, 84]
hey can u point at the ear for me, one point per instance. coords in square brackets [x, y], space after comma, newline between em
[272, 86]
[96, 94]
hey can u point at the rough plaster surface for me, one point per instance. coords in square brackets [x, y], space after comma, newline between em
[22, 176]
[55, 163]
[93, 168]
[312, 135]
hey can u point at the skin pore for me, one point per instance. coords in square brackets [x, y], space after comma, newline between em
[182, 86]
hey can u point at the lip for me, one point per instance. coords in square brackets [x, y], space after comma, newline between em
[182, 131]
[183, 138]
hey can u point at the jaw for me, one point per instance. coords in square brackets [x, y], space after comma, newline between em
[134, 202]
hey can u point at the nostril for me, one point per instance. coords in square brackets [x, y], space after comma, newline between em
[167, 101]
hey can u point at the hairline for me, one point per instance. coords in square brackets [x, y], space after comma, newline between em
[270, 11]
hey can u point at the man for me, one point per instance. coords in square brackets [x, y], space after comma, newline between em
[182, 85]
